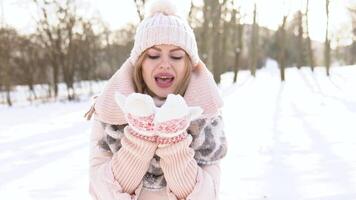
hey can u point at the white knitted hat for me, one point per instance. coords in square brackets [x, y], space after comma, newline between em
[163, 25]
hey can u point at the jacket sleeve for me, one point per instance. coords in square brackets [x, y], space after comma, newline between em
[205, 185]
[185, 178]
[208, 177]
[103, 184]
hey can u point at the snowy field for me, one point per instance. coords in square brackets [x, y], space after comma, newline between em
[287, 141]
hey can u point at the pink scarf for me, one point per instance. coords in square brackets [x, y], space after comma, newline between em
[202, 91]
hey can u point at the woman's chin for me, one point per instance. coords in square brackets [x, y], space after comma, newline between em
[163, 94]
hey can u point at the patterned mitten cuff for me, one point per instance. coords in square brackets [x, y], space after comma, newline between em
[131, 162]
[179, 167]
[172, 131]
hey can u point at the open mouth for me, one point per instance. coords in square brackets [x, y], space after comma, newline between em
[164, 80]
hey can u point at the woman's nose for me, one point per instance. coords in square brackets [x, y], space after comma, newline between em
[165, 64]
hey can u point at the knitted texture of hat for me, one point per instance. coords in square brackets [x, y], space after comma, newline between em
[163, 25]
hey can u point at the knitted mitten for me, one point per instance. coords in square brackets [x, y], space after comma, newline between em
[139, 112]
[172, 120]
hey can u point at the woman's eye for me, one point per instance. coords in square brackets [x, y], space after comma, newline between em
[153, 57]
[176, 57]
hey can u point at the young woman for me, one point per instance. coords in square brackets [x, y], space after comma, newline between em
[158, 132]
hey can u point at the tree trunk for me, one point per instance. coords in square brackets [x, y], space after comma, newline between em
[300, 40]
[216, 57]
[353, 52]
[140, 4]
[236, 64]
[70, 91]
[254, 43]
[282, 50]
[352, 59]
[327, 41]
[215, 38]
[8, 97]
[32, 93]
[223, 50]
[239, 48]
[309, 42]
[7, 80]
[55, 79]
[205, 39]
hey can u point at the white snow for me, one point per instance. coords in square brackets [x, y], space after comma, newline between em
[287, 141]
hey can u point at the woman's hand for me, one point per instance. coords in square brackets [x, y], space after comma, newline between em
[139, 112]
[165, 125]
[172, 120]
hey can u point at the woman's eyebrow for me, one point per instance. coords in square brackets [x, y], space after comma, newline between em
[175, 49]
[156, 48]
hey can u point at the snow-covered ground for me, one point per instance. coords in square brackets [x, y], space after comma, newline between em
[292, 140]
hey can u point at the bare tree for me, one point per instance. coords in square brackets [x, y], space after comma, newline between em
[352, 9]
[224, 34]
[300, 46]
[203, 46]
[237, 37]
[281, 33]
[192, 12]
[309, 42]
[48, 40]
[215, 51]
[327, 40]
[27, 61]
[51, 41]
[86, 47]
[254, 43]
[212, 36]
[8, 38]
[140, 5]
[57, 34]
[70, 49]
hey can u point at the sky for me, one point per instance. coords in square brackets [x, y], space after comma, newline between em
[20, 14]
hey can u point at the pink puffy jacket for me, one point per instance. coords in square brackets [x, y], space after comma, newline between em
[201, 91]
[103, 185]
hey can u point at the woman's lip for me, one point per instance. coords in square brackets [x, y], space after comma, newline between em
[164, 80]
[164, 83]
[164, 75]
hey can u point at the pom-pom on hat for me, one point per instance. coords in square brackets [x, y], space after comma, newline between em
[164, 24]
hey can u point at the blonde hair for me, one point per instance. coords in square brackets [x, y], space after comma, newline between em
[140, 85]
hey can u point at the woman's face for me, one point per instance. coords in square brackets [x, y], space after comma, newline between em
[163, 69]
